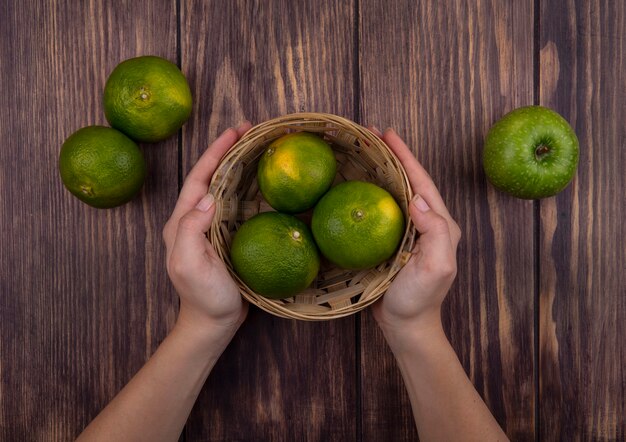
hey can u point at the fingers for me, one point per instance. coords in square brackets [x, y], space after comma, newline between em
[190, 243]
[197, 181]
[209, 160]
[196, 184]
[243, 128]
[375, 131]
[421, 182]
[435, 244]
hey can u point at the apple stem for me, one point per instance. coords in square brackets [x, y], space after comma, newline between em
[541, 150]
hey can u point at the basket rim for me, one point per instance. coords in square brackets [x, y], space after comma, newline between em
[295, 121]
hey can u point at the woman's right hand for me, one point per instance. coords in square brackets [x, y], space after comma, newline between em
[414, 298]
[445, 404]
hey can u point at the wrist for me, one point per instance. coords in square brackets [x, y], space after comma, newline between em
[204, 332]
[414, 332]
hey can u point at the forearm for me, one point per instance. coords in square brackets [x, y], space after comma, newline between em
[155, 404]
[445, 404]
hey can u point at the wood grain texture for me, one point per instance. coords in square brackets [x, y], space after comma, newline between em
[279, 379]
[441, 74]
[84, 295]
[583, 287]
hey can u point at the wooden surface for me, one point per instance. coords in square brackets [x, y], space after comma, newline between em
[536, 313]
[279, 379]
[443, 91]
[582, 260]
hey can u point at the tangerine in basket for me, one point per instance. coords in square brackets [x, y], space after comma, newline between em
[295, 171]
[275, 255]
[357, 225]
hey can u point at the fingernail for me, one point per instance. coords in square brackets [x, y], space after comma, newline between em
[205, 203]
[421, 205]
[390, 129]
[375, 129]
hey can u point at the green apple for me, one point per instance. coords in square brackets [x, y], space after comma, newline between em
[531, 153]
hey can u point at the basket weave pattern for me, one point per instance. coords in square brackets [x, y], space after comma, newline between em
[361, 155]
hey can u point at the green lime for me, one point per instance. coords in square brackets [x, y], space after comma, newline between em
[147, 98]
[275, 255]
[295, 171]
[357, 225]
[102, 166]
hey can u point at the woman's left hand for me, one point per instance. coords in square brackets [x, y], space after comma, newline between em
[209, 297]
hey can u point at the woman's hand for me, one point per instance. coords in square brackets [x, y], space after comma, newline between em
[156, 403]
[209, 297]
[445, 403]
[416, 294]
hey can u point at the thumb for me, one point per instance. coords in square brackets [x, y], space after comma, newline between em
[192, 227]
[434, 241]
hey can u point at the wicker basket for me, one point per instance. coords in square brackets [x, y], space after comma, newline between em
[361, 155]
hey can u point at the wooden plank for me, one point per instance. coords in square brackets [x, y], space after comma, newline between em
[582, 303]
[85, 298]
[279, 379]
[441, 74]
